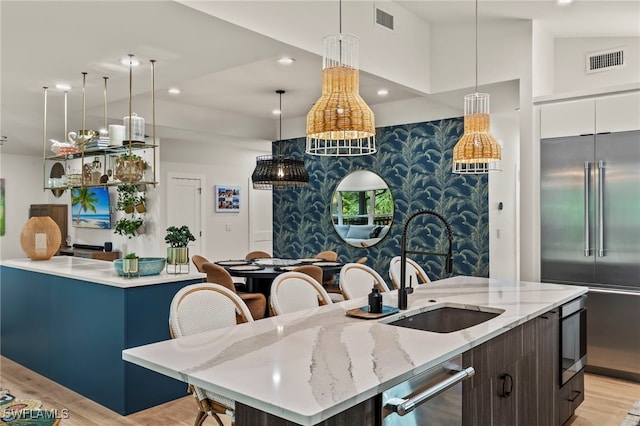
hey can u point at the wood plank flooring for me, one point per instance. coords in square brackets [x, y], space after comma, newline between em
[606, 402]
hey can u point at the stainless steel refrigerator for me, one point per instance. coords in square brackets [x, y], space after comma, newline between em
[590, 235]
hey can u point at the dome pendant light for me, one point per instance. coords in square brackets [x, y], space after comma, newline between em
[340, 123]
[477, 151]
[277, 171]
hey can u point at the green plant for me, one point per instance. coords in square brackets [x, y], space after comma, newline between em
[179, 237]
[128, 227]
[131, 256]
[128, 197]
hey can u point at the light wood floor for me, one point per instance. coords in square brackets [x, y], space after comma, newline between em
[606, 402]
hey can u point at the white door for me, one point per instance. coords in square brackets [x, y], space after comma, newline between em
[184, 204]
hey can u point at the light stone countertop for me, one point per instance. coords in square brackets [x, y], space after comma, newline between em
[97, 271]
[309, 365]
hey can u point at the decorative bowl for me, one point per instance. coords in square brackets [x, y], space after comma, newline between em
[146, 265]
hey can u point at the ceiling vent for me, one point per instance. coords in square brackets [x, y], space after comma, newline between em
[384, 19]
[605, 60]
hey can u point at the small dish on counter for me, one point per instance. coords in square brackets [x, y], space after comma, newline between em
[146, 266]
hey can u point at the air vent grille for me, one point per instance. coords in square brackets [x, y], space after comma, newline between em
[605, 61]
[385, 19]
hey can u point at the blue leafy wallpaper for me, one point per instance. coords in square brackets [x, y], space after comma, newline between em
[415, 161]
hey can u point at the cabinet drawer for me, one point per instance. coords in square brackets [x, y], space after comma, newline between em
[570, 397]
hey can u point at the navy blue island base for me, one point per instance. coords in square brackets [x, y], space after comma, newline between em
[73, 332]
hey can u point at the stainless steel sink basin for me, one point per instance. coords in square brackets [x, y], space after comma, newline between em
[447, 319]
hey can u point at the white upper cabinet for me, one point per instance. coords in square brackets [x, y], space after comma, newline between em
[618, 113]
[567, 119]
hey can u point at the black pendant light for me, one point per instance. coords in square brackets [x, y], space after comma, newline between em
[277, 171]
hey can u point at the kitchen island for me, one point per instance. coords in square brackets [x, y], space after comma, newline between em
[310, 365]
[69, 319]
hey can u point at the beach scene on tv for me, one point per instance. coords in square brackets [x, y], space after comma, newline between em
[90, 208]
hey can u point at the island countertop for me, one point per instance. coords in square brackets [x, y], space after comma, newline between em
[97, 271]
[309, 365]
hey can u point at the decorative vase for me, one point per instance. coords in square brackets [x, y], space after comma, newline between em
[40, 238]
[130, 267]
[177, 259]
[129, 170]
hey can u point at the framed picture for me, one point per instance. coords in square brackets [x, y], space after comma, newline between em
[227, 198]
[90, 208]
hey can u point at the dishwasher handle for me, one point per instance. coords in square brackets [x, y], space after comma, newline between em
[404, 406]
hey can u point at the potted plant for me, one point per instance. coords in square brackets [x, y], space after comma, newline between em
[128, 227]
[140, 204]
[130, 264]
[178, 239]
[129, 167]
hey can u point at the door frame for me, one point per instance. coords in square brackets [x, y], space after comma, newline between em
[203, 203]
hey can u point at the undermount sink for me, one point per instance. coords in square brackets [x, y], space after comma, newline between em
[447, 319]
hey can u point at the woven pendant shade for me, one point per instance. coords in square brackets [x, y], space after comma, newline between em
[477, 151]
[40, 238]
[340, 123]
[279, 172]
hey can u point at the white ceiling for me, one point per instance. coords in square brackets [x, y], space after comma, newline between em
[227, 74]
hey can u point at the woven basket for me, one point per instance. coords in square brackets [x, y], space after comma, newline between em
[40, 238]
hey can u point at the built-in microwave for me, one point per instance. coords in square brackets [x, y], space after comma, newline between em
[573, 338]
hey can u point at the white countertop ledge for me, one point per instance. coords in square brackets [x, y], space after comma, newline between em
[96, 271]
[309, 365]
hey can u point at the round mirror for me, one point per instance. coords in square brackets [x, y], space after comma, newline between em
[362, 209]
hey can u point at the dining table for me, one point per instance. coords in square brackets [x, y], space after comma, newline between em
[259, 273]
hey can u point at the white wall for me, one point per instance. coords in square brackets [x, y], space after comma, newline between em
[543, 57]
[570, 53]
[23, 187]
[220, 164]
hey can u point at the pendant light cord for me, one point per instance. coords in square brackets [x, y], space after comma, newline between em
[340, 16]
[476, 46]
[280, 92]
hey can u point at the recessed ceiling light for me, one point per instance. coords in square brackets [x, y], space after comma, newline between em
[564, 2]
[174, 91]
[63, 86]
[134, 62]
[383, 92]
[286, 61]
[276, 112]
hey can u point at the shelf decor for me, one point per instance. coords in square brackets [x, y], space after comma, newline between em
[40, 238]
[340, 123]
[477, 151]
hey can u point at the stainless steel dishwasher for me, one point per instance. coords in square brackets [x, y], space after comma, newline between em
[433, 397]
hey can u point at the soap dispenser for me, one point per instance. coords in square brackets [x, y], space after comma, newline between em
[375, 301]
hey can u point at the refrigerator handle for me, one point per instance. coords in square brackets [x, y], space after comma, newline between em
[587, 173]
[601, 167]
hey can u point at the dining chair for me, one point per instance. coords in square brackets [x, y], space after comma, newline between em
[328, 255]
[257, 255]
[197, 308]
[257, 302]
[316, 273]
[198, 261]
[414, 271]
[362, 260]
[294, 291]
[357, 280]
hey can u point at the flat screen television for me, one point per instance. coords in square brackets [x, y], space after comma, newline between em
[90, 208]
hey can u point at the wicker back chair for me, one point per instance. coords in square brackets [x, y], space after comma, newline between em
[294, 291]
[203, 307]
[415, 271]
[357, 280]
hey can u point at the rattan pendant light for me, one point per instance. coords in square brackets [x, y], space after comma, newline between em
[477, 151]
[278, 171]
[340, 123]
